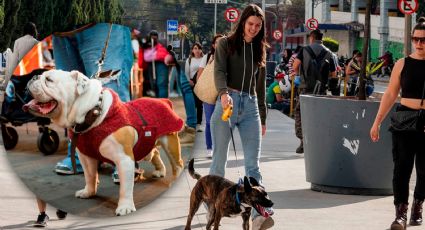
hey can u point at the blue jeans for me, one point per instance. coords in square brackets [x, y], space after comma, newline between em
[82, 51]
[173, 79]
[161, 79]
[188, 99]
[208, 109]
[246, 117]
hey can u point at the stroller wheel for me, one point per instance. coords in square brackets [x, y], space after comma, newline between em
[48, 141]
[10, 137]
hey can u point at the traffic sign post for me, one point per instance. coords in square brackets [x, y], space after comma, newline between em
[312, 24]
[215, 2]
[277, 35]
[231, 14]
[408, 6]
[172, 26]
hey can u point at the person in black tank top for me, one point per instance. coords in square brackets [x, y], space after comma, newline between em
[408, 75]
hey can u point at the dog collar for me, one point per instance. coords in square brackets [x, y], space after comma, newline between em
[90, 117]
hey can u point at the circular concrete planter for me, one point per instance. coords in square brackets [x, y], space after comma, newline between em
[339, 155]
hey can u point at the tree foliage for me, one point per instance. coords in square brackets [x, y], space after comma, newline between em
[52, 15]
[1, 13]
[332, 44]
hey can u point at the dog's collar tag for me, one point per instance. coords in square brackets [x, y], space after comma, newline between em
[148, 133]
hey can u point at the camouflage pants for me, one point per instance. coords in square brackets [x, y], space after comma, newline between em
[297, 116]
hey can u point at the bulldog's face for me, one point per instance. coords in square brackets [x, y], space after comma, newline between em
[55, 93]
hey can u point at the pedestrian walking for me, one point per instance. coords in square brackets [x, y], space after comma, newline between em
[208, 108]
[314, 64]
[239, 73]
[408, 148]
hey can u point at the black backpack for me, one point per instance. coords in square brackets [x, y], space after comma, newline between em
[316, 73]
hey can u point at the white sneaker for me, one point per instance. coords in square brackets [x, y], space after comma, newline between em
[173, 94]
[209, 153]
[261, 223]
[199, 128]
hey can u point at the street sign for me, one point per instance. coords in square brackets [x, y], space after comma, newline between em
[277, 35]
[183, 28]
[231, 14]
[312, 24]
[408, 6]
[216, 1]
[172, 26]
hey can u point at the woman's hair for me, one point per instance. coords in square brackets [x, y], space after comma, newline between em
[297, 50]
[289, 54]
[259, 42]
[420, 25]
[197, 44]
[212, 49]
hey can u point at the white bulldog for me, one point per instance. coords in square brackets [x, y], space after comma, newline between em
[107, 129]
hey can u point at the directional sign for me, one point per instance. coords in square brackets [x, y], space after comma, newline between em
[172, 26]
[312, 24]
[408, 6]
[183, 28]
[216, 1]
[277, 35]
[231, 14]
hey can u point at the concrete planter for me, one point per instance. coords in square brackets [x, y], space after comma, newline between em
[339, 155]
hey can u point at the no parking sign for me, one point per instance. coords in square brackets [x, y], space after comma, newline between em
[231, 14]
[408, 6]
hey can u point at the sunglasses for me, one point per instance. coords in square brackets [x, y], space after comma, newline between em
[418, 40]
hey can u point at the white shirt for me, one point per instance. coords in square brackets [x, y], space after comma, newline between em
[23, 45]
[135, 45]
[203, 61]
[191, 70]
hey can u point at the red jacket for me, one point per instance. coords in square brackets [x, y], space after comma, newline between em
[161, 53]
[155, 117]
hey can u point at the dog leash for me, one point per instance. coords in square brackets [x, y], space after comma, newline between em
[103, 55]
[227, 113]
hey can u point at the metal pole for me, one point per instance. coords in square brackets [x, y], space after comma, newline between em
[312, 8]
[407, 29]
[263, 5]
[215, 19]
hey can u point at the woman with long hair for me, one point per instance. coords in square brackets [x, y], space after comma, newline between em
[191, 70]
[239, 73]
[408, 148]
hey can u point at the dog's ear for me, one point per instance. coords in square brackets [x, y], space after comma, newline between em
[82, 81]
[253, 181]
[247, 185]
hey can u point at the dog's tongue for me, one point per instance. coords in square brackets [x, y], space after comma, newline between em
[42, 108]
[262, 211]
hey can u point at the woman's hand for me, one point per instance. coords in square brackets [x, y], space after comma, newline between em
[191, 83]
[226, 100]
[263, 129]
[374, 132]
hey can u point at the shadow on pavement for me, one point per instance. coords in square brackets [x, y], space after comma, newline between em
[308, 199]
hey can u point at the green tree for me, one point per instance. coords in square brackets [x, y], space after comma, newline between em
[1, 13]
[52, 15]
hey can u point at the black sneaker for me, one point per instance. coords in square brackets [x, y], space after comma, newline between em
[61, 214]
[42, 220]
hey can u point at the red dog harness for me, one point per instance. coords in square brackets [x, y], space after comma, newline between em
[151, 118]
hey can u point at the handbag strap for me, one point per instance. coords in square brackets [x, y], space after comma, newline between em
[423, 94]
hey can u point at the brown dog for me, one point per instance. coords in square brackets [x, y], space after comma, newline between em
[226, 198]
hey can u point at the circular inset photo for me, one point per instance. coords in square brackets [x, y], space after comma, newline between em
[88, 120]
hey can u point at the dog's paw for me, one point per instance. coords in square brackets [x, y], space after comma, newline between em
[177, 170]
[125, 209]
[84, 194]
[158, 174]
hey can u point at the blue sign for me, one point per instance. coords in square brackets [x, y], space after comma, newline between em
[172, 26]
